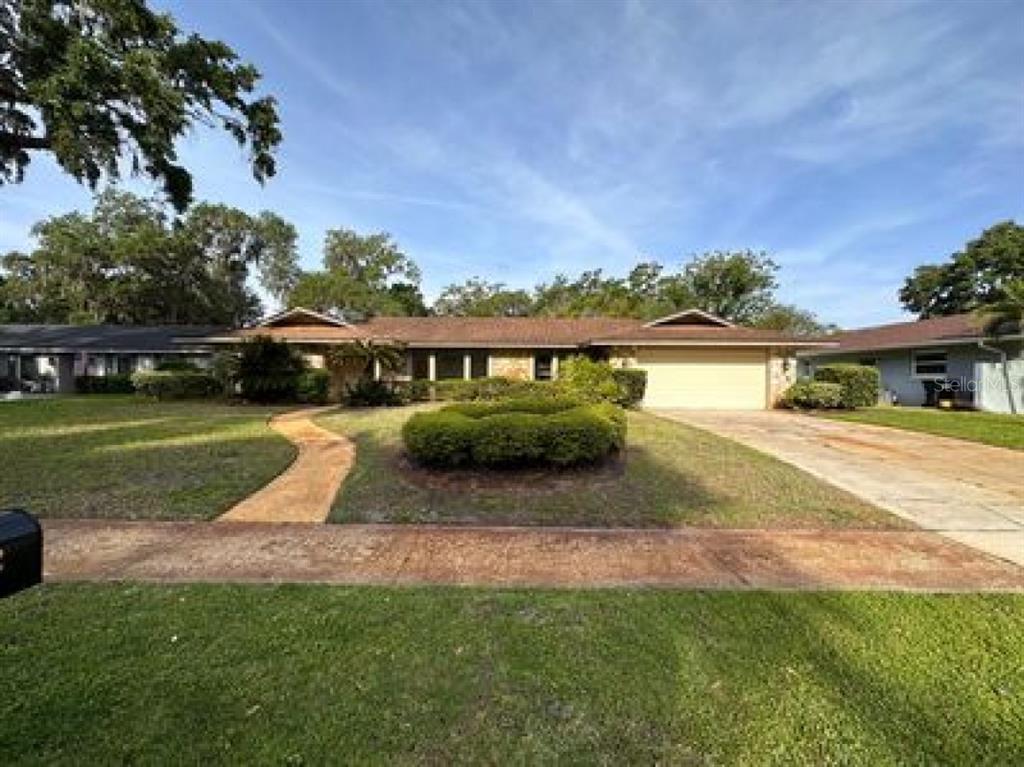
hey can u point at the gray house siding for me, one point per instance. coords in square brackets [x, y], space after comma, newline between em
[977, 374]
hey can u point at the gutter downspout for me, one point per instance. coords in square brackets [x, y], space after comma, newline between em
[1006, 372]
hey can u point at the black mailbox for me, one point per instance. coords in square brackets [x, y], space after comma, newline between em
[21, 551]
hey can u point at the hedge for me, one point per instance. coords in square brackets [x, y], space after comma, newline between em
[515, 433]
[860, 383]
[112, 384]
[812, 395]
[175, 384]
[487, 389]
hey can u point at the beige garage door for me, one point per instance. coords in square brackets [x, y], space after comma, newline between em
[726, 379]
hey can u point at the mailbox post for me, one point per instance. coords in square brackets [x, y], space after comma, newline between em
[21, 551]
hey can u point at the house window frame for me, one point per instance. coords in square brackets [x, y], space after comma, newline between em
[915, 353]
[552, 366]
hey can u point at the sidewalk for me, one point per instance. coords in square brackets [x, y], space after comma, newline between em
[482, 556]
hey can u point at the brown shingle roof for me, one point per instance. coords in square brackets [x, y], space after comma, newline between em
[532, 332]
[496, 331]
[900, 335]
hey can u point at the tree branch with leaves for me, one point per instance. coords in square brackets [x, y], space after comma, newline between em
[100, 83]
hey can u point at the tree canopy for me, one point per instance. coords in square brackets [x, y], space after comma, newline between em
[478, 298]
[736, 285]
[970, 279]
[102, 83]
[363, 274]
[131, 262]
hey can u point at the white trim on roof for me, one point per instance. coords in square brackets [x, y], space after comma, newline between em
[328, 318]
[714, 319]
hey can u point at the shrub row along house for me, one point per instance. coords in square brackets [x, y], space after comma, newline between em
[692, 358]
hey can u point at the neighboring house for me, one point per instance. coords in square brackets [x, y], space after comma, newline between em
[925, 360]
[48, 358]
[692, 359]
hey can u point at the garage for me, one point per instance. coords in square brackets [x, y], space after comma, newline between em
[705, 378]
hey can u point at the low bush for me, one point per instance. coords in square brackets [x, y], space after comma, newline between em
[175, 384]
[632, 386]
[416, 390]
[588, 380]
[860, 383]
[112, 384]
[313, 386]
[369, 393]
[812, 395]
[443, 439]
[557, 432]
[9, 384]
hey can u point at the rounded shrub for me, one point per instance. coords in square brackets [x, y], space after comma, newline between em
[442, 439]
[860, 383]
[527, 432]
[176, 384]
[812, 395]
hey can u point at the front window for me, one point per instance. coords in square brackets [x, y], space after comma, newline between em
[543, 366]
[929, 364]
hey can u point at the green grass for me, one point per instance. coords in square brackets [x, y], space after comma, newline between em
[122, 457]
[205, 674]
[673, 475]
[990, 428]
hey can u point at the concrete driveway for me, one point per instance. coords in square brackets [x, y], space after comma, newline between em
[969, 492]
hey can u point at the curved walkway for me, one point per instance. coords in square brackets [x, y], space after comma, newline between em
[519, 557]
[306, 489]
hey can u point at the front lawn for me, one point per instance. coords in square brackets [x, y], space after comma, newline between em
[123, 457]
[990, 428]
[217, 674]
[672, 475]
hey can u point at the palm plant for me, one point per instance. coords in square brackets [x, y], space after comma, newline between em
[358, 358]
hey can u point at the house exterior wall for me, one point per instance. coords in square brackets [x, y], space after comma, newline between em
[782, 373]
[977, 373]
[999, 390]
[512, 363]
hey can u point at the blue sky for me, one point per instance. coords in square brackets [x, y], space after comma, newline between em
[514, 140]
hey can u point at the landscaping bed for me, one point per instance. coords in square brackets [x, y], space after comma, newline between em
[996, 429]
[125, 457]
[218, 674]
[668, 475]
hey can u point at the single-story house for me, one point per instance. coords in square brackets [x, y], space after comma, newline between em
[923, 361]
[693, 359]
[48, 358]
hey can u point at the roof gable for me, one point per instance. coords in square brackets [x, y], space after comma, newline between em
[302, 316]
[690, 317]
